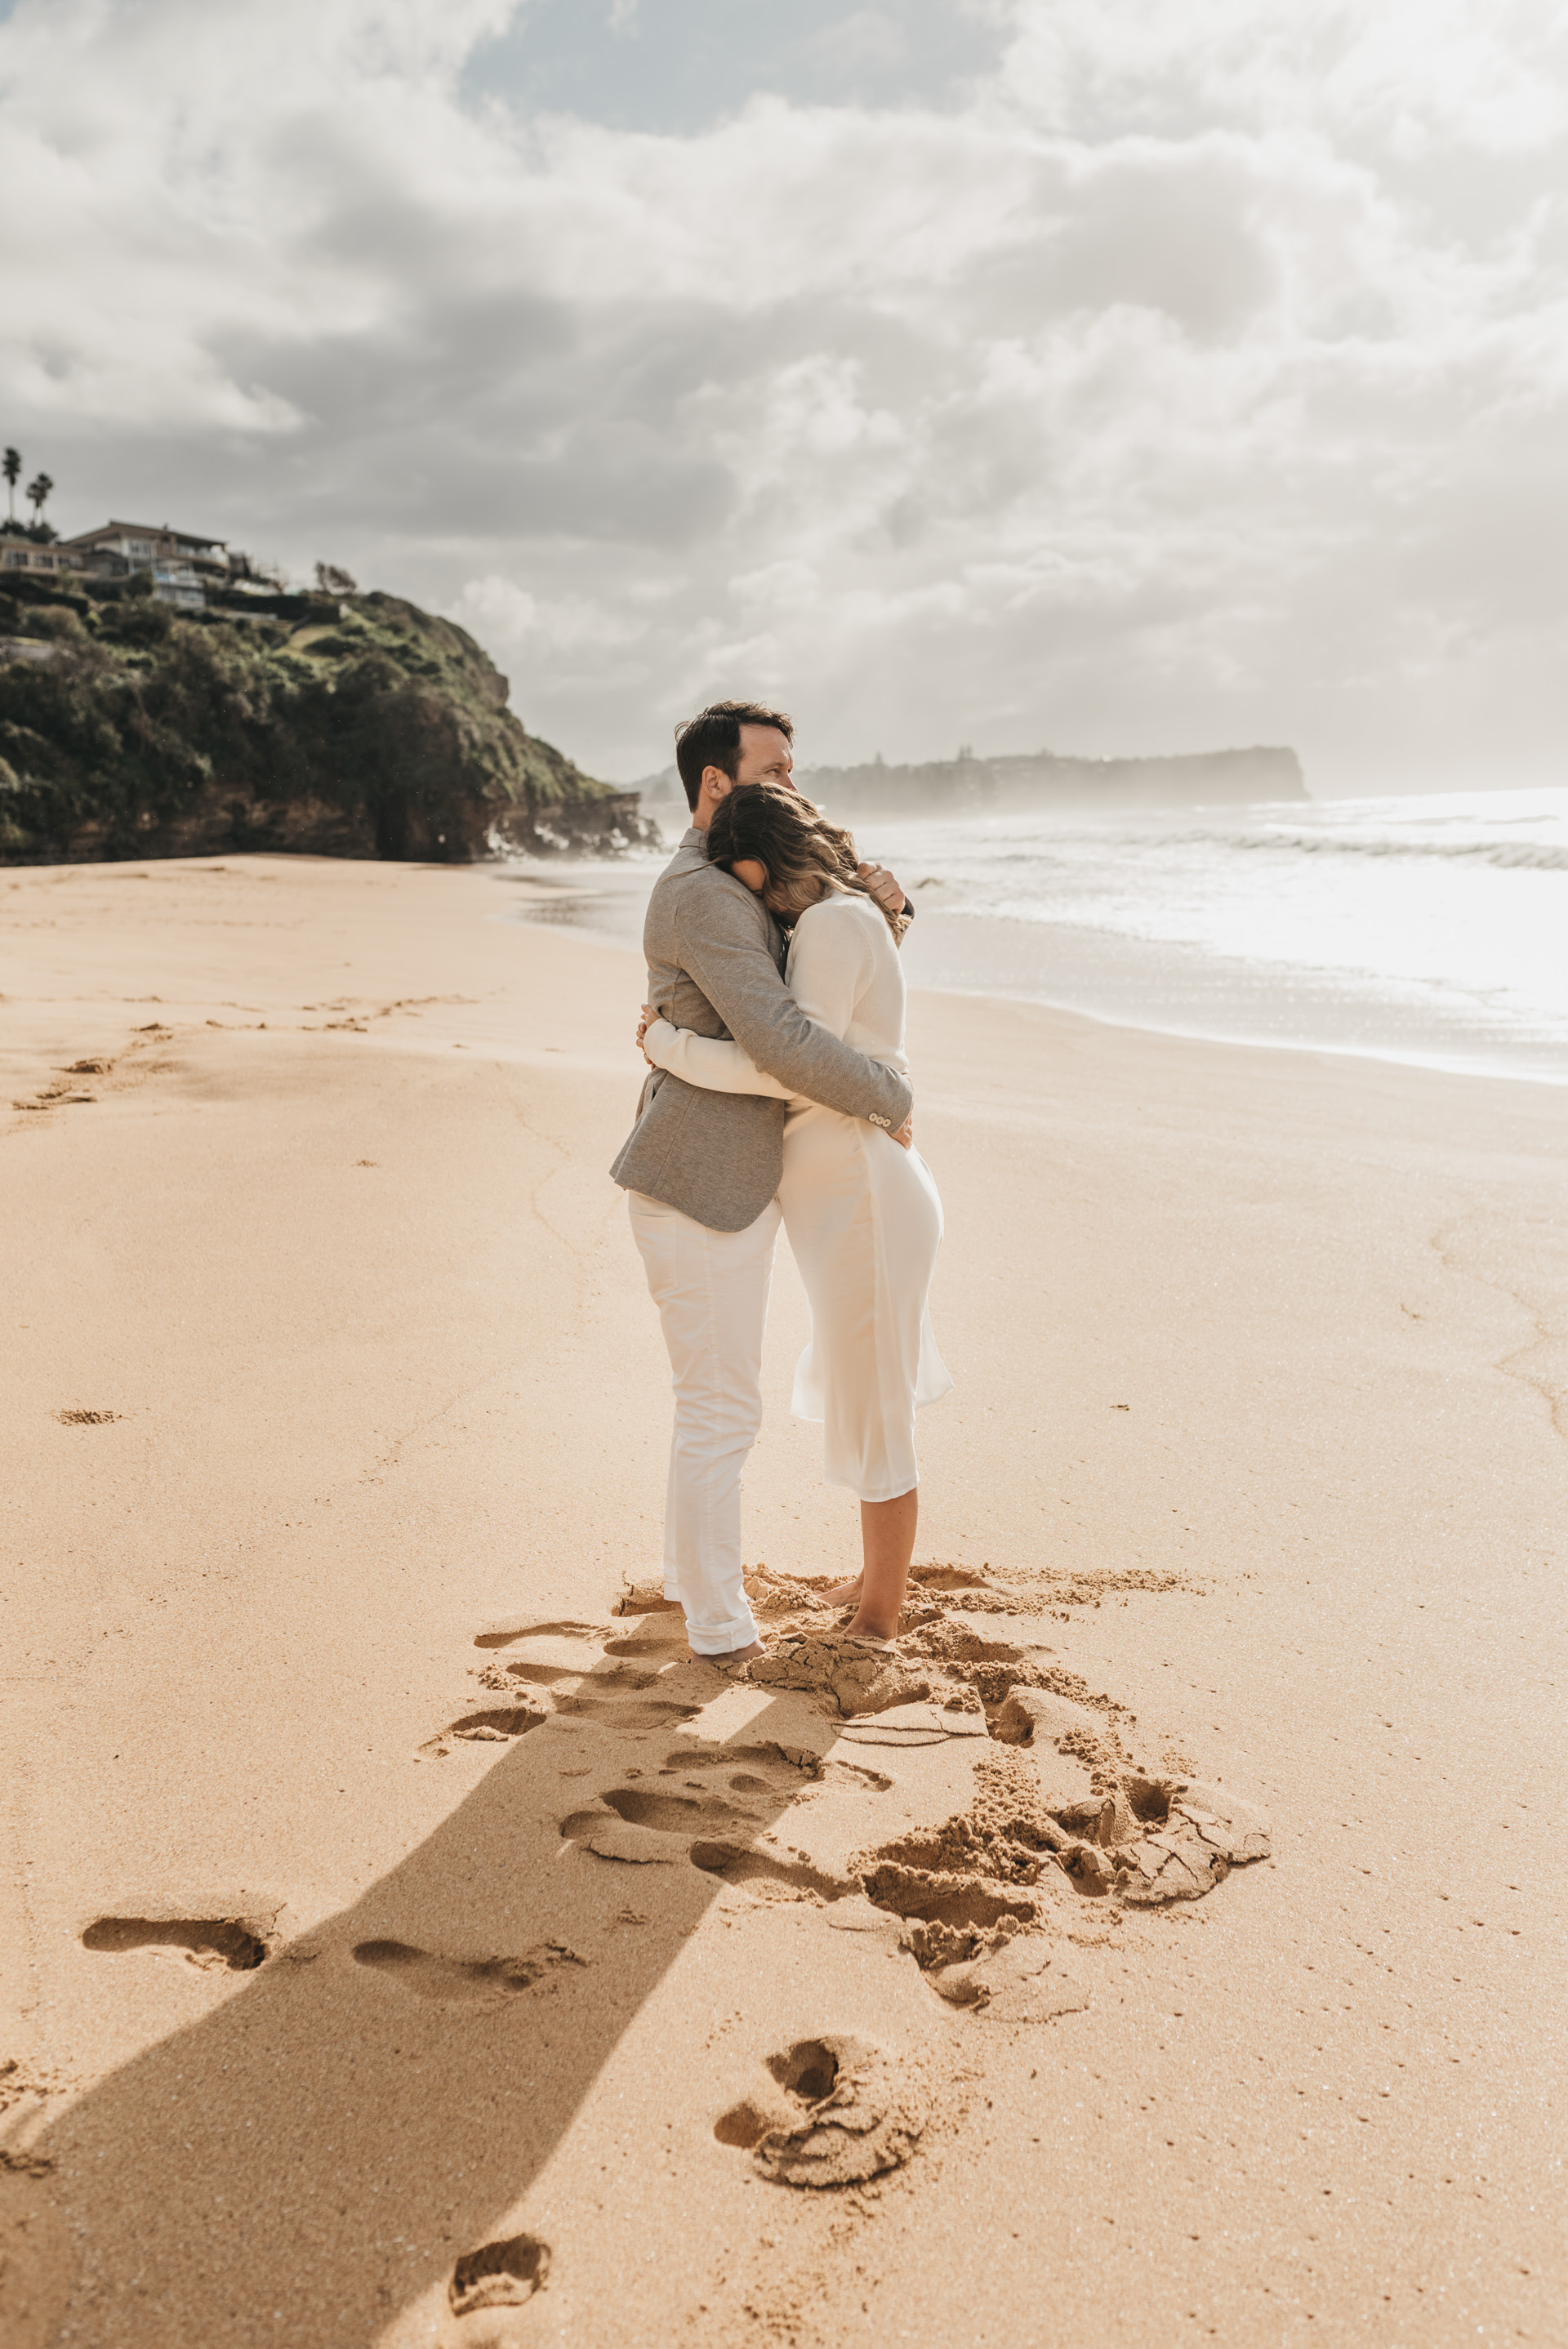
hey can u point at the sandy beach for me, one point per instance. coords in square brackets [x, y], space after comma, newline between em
[401, 1943]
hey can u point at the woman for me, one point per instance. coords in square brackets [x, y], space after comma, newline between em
[863, 1214]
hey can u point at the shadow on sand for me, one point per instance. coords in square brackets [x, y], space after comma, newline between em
[313, 2155]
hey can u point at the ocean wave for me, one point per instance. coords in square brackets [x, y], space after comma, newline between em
[1514, 855]
[976, 853]
[1511, 855]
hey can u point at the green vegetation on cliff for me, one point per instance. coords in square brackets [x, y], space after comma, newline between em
[363, 726]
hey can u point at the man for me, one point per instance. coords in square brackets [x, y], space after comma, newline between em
[702, 1169]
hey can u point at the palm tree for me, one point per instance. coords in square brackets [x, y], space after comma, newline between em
[12, 469]
[38, 489]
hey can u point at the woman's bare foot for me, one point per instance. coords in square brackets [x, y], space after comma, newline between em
[887, 1535]
[729, 1655]
[843, 1594]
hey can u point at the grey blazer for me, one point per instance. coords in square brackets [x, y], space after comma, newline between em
[715, 956]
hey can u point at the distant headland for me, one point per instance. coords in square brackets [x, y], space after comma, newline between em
[1007, 786]
[967, 785]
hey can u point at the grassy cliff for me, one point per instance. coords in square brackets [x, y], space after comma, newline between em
[361, 727]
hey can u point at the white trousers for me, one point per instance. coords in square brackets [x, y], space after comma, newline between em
[711, 1289]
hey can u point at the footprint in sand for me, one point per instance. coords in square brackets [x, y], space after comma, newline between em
[671, 1814]
[498, 2275]
[630, 1824]
[620, 1680]
[638, 1826]
[740, 1863]
[463, 1982]
[662, 1640]
[541, 1675]
[54, 1097]
[213, 1944]
[561, 1653]
[506, 1635]
[572, 1668]
[768, 1769]
[496, 1727]
[628, 1712]
[773, 1770]
[851, 1774]
[62, 1093]
[830, 2112]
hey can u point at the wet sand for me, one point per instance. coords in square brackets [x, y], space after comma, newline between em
[401, 1943]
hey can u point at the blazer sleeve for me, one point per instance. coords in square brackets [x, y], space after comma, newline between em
[724, 946]
[710, 1062]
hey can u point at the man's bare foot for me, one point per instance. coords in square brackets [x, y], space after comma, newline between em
[843, 1594]
[729, 1655]
[870, 1627]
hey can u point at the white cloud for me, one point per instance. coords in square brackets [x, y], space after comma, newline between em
[1198, 378]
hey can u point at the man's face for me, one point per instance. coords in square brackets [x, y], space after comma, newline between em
[764, 757]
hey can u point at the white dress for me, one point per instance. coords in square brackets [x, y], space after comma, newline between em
[862, 1215]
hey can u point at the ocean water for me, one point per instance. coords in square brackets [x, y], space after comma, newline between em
[1431, 931]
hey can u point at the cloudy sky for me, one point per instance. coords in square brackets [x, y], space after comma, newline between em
[1077, 373]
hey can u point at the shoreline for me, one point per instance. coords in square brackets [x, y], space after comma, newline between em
[1212, 971]
[1255, 1445]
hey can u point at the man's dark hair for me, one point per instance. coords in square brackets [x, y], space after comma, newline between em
[712, 739]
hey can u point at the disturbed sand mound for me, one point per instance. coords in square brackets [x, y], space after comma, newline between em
[1061, 1801]
[1019, 1980]
[834, 2111]
[1107, 1820]
[852, 1676]
[1152, 1836]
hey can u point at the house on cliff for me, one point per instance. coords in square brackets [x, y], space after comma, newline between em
[185, 567]
[18, 554]
[181, 563]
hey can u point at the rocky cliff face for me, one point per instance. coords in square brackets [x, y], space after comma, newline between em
[355, 728]
[1002, 786]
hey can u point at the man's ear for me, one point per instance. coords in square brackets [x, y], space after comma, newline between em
[716, 783]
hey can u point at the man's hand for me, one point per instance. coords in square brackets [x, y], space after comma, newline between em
[905, 1137]
[884, 887]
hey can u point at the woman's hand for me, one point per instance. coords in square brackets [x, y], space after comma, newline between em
[649, 1016]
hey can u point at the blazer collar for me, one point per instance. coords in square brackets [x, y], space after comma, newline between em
[690, 852]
